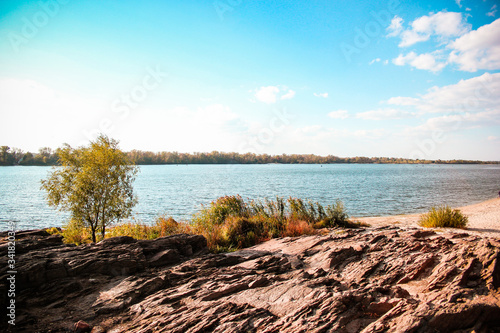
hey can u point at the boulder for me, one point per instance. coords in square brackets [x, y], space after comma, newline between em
[363, 280]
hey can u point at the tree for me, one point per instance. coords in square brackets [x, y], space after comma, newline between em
[5, 155]
[93, 183]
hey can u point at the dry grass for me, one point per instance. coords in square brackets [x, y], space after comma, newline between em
[76, 233]
[444, 217]
[229, 223]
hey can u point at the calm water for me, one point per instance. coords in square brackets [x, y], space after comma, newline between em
[365, 189]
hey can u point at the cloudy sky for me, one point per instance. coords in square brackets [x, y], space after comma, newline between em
[411, 79]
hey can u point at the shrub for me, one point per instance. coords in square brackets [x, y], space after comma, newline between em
[241, 232]
[444, 217]
[229, 223]
[269, 209]
[219, 210]
[76, 233]
[336, 215]
[295, 228]
[53, 231]
[166, 226]
[135, 230]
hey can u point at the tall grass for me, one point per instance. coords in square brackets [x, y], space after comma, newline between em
[76, 233]
[444, 217]
[229, 223]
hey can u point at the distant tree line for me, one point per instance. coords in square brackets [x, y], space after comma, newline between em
[15, 156]
[47, 156]
[216, 157]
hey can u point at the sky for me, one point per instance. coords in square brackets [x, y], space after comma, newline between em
[409, 79]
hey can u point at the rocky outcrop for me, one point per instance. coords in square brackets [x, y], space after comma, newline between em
[365, 280]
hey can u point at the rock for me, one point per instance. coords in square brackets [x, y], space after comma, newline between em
[81, 327]
[164, 258]
[364, 280]
[98, 329]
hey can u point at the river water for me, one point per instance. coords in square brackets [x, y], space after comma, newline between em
[180, 190]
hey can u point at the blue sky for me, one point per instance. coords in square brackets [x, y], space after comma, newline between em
[365, 78]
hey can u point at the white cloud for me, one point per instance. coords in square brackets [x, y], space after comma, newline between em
[425, 61]
[463, 121]
[475, 95]
[323, 95]
[478, 49]
[449, 113]
[339, 114]
[410, 37]
[396, 26]
[458, 2]
[443, 25]
[470, 50]
[383, 114]
[289, 95]
[402, 60]
[271, 94]
[492, 11]
[374, 61]
[267, 94]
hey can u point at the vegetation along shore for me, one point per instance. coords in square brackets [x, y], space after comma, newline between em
[48, 157]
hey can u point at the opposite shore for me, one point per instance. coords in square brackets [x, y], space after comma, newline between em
[49, 157]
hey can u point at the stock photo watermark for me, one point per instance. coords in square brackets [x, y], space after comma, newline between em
[223, 6]
[11, 274]
[267, 135]
[122, 106]
[372, 29]
[32, 26]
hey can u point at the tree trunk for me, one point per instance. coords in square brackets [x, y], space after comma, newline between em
[92, 229]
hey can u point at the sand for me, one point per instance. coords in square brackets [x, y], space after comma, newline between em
[484, 219]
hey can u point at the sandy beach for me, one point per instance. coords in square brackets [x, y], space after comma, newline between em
[484, 219]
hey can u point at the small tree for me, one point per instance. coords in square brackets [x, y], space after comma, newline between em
[93, 183]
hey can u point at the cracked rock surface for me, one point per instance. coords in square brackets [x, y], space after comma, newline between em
[386, 279]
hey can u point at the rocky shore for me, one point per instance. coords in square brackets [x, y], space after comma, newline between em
[394, 279]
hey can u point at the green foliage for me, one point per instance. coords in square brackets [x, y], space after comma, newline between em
[216, 157]
[163, 226]
[74, 232]
[166, 226]
[46, 156]
[336, 216]
[53, 231]
[94, 184]
[230, 223]
[444, 217]
[241, 232]
[135, 230]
